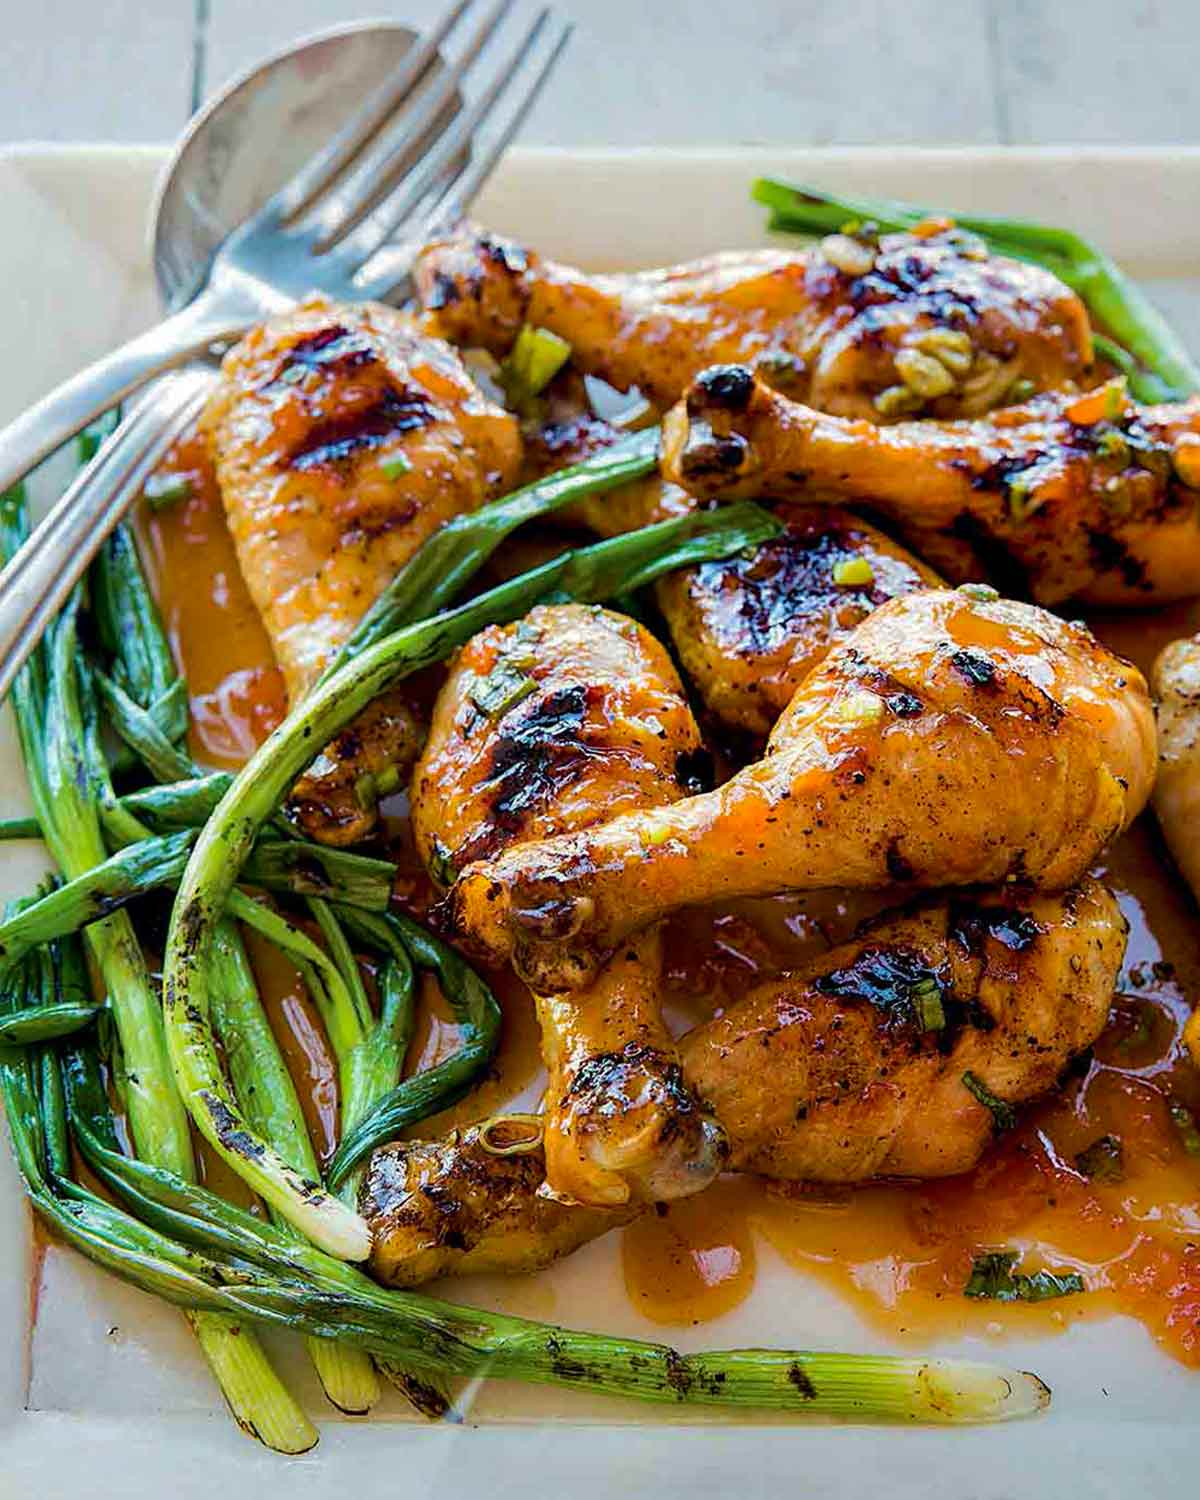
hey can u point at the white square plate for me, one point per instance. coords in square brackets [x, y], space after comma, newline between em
[101, 1393]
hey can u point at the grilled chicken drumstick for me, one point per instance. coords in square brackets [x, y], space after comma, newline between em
[1085, 497]
[749, 629]
[952, 739]
[878, 1058]
[925, 322]
[541, 728]
[343, 438]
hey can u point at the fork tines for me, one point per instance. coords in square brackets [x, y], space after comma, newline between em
[421, 145]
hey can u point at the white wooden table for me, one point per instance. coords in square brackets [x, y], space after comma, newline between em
[668, 71]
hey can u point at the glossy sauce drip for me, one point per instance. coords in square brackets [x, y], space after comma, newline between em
[236, 689]
[900, 1252]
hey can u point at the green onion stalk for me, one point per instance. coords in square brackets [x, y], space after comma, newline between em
[188, 1246]
[1142, 343]
[61, 763]
[265, 1090]
[144, 680]
[297, 868]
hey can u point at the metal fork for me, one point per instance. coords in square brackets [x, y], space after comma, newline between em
[396, 175]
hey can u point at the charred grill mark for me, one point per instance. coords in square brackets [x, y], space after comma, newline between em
[899, 700]
[797, 1378]
[695, 770]
[236, 1140]
[538, 751]
[971, 925]
[338, 438]
[334, 350]
[889, 978]
[974, 667]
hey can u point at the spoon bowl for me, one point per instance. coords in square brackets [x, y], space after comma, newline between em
[247, 141]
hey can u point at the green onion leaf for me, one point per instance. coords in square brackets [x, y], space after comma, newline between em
[503, 688]
[1103, 1160]
[395, 465]
[536, 358]
[993, 1279]
[1003, 1115]
[927, 1002]
[161, 490]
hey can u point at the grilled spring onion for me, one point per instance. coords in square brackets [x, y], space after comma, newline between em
[589, 573]
[67, 782]
[191, 1247]
[475, 1010]
[265, 1090]
[275, 864]
[1159, 366]
[1004, 1117]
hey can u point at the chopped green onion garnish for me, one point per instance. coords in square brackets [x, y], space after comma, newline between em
[853, 573]
[503, 688]
[536, 358]
[1103, 1160]
[992, 1277]
[1003, 1115]
[440, 865]
[927, 1002]
[395, 465]
[161, 490]
[1184, 1122]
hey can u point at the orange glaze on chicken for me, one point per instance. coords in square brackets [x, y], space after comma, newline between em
[544, 726]
[1066, 497]
[952, 739]
[843, 329]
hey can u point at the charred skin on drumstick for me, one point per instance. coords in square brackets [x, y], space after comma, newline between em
[1064, 497]
[543, 727]
[954, 738]
[343, 437]
[925, 323]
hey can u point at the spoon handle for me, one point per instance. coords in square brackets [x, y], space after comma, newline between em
[68, 409]
[36, 582]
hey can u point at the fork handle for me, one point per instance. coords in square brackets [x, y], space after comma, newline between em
[36, 582]
[69, 408]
